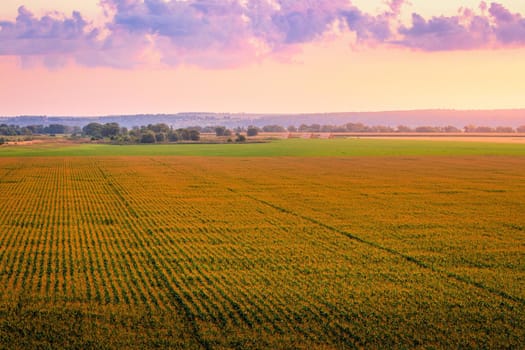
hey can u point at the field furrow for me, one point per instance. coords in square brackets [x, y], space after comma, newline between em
[283, 253]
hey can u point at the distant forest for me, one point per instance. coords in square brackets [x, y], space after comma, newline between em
[161, 132]
[98, 130]
[413, 119]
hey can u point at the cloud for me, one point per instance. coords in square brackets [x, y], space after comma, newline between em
[52, 34]
[446, 33]
[510, 27]
[367, 27]
[301, 21]
[195, 25]
[395, 6]
[229, 33]
[467, 31]
[202, 32]
[56, 40]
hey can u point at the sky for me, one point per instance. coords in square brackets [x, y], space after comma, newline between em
[105, 57]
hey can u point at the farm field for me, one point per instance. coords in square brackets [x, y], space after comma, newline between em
[401, 247]
[376, 146]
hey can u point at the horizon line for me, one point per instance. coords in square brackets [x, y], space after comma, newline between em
[266, 113]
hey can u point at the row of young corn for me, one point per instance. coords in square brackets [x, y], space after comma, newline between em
[186, 236]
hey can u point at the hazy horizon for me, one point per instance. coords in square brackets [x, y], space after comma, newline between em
[116, 57]
[250, 113]
[415, 118]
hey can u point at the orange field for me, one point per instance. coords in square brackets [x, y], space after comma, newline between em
[198, 252]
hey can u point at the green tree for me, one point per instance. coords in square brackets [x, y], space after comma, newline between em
[56, 129]
[93, 129]
[173, 136]
[148, 137]
[451, 128]
[273, 128]
[505, 129]
[252, 131]
[159, 127]
[110, 129]
[220, 131]
[195, 135]
[183, 134]
[403, 128]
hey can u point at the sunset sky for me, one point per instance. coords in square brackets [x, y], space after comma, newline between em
[63, 57]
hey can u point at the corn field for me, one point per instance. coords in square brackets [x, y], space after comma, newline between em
[198, 252]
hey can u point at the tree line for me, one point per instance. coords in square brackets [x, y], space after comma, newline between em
[360, 127]
[363, 128]
[160, 132]
[52, 129]
[151, 133]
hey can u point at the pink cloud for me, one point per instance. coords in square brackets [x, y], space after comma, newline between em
[467, 31]
[29, 35]
[510, 27]
[228, 33]
[446, 33]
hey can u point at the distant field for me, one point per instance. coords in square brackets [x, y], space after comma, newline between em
[291, 147]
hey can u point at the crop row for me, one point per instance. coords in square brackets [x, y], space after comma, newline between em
[239, 254]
